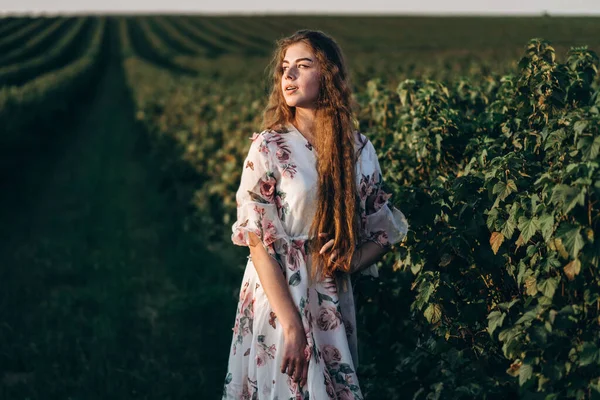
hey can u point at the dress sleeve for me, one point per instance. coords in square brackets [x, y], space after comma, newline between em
[255, 199]
[381, 222]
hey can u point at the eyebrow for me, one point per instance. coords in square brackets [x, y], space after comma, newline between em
[300, 59]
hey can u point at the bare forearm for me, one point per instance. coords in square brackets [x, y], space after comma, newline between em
[275, 287]
[366, 255]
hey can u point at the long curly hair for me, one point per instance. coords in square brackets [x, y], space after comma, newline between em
[335, 137]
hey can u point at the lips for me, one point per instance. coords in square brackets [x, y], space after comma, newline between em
[291, 89]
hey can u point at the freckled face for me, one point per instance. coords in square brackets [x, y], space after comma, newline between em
[300, 79]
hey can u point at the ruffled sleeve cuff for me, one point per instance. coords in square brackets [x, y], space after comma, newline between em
[386, 227]
[263, 220]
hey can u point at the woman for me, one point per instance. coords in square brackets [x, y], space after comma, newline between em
[308, 171]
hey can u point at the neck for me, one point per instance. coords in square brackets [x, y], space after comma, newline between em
[304, 121]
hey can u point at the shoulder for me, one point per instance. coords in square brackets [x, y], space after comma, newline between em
[263, 142]
[268, 135]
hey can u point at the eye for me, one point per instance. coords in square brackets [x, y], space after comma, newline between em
[303, 65]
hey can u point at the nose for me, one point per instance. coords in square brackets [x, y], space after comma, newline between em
[287, 74]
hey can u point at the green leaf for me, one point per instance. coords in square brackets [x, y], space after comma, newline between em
[566, 197]
[546, 222]
[507, 305]
[491, 219]
[510, 340]
[504, 189]
[346, 368]
[579, 127]
[571, 238]
[433, 313]
[589, 354]
[528, 227]
[499, 187]
[509, 228]
[323, 297]
[555, 139]
[589, 148]
[527, 317]
[426, 289]
[548, 287]
[495, 320]
[525, 373]
[295, 279]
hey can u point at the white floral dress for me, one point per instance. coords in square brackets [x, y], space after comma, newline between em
[276, 200]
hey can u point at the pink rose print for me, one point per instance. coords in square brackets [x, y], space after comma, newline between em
[295, 254]
[329, 318]
[345, 394]
[329, 386]
[263, 351]
[380, 200]
[260, 360]
[293, 386]
[282, 155]
[270, 232]
[236, 327]
[247, 301]
[365, 187]
[331, 354]
[264, 147]
[381, 237]
[267, 188]
[240, 237]
[259, 210]
[246, 392]
[289, 170]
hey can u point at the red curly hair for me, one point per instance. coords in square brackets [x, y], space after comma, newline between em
[335, 135]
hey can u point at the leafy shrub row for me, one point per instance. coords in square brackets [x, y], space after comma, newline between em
[500, 272]
[67, 48]
[37, 102]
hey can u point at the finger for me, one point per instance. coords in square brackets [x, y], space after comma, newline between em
[304, 374]
[291, 368]
[326, 246]
[323, 234]
[333, 255]
[298, 370]
[284, 365]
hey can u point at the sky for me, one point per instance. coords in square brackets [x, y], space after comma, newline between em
[423, 7]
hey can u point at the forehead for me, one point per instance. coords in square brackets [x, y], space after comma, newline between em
[298, 50]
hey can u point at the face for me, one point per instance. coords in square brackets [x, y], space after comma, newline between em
[301, 75]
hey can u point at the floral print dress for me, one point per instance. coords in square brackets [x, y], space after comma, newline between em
[277, 201]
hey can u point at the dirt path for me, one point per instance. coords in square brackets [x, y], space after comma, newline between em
[102, 295]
